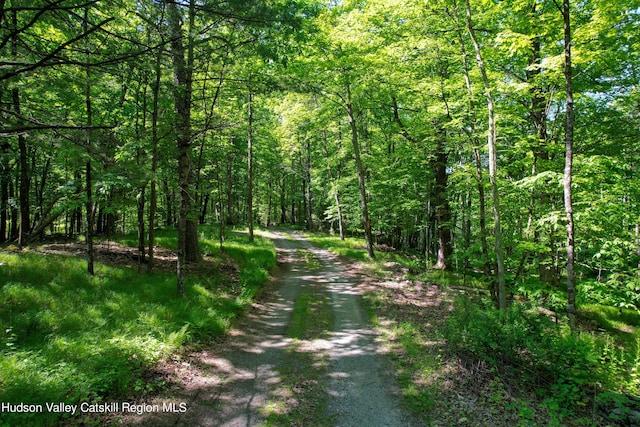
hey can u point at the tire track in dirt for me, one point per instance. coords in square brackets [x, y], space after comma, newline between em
[230, 384]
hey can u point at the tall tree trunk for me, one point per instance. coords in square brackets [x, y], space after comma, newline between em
[568, 166]
[220, 206]
[188, 249]
[309, 194]
[538, 114]
[229, 188]
[153, 202]
[491, 142]
[13, 223]
[283, 198]
[89, 142]
[473, 138]
[22, 147]
[23, 232]
[269, 201]
[5, 176]
[482, 221]
[168, 199]
[140, 200]
[467, 230]
[361, 177]
[443, 211]
[141, 197]
[40, 189]
[250, 166]
[4, 196]
[193, 253]
[335, 190]
[303, 191]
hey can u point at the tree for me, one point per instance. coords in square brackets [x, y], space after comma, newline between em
[188, 249]
[491, 142]
[568, 168]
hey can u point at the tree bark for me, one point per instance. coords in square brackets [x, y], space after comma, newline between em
[168, 199]
[491, 142]
[473, 138]
[89, 142]
[482, 221]
[4, 196]
[23, 231]
[229, 187]
[361, 178]
[188, 249]
[250, 166]
[568, 166]
[309, 194]
[335, 190]
[140, 201]
[443, 211]
[153, 202]
[283, 197]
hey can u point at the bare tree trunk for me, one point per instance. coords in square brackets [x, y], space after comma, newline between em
[250, 167]
[491, 141]
[443, 211]
[4, 196]
[568, 166]
[309, 195]
[182, 99]
[13, 223]
[283, 198]
[23, 232]
[168, 198]
[140, 199]
[476, 154]
[336, 191]
[361, 178]
[482, 221]
[153, 203]
[229, 187]
[220, 206]
[89, 142]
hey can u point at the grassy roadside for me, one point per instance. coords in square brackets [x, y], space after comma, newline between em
[460, 362]
[68, 337]
[299, 398]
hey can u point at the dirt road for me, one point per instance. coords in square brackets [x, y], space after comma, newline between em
[240, 381]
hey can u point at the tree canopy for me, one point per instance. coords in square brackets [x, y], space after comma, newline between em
[438, 128]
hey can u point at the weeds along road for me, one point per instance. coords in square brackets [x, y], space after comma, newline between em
[317, 364]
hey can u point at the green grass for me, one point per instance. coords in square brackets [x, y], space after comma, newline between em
[355, 249]
[450, 278]
[623, 324]
[349, 247]
[67, 336]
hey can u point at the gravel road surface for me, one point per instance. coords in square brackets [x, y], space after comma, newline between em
[230, 383]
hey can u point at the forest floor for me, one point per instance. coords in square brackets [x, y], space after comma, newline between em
[329, 341]
[307, 354]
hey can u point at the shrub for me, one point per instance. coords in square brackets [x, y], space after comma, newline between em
[562, 367]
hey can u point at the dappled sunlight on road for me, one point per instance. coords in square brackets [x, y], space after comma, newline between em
[232, 383]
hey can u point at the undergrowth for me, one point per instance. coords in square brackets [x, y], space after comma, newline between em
[68, 337]
[526, 366]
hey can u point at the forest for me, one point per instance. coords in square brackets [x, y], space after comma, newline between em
[494, 142]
